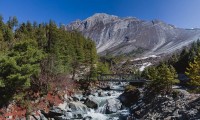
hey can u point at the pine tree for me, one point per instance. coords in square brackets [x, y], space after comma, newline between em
[1, 23]
[12, 22]
[3, 44]
[20, 66]
[103, 68]
[193, 72]
[150, 73]
[93, 73]
[41, 38]
[8, 36]
[163, 77]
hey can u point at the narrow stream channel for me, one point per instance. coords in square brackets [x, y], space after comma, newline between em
[108, 105]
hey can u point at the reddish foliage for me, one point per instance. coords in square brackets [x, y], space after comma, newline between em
[60, 86]
[43, 104]
[53, 99]
[14, 111]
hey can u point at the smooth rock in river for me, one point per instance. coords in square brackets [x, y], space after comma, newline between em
[78, 106]
[109, 94]
[112, 106]
[102, 94]
[91, 103]
[130, 97]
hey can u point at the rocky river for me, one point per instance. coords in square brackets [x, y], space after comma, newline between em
[117, 104]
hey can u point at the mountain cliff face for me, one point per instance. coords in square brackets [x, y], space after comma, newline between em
[115, 35]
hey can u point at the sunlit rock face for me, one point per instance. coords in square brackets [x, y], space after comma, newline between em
[115, 35]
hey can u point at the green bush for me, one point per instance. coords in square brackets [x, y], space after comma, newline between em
[129, 88]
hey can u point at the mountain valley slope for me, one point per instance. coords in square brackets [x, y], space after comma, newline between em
[131, 36]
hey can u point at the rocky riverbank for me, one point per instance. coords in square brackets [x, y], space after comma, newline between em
[183, 106]
[98, 104]
[95, 105]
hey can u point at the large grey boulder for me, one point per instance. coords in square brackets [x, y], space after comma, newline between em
[78, 106]
[129, 97]
[91, 102]
[112, 106]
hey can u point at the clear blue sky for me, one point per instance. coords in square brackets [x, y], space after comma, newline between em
[181, 13]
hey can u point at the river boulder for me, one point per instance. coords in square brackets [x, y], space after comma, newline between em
[112, 106]
[129, 97]
[53, 112]
[109, 93]
[91, 103]
[78, 107]
[87, 92]
[102, 94]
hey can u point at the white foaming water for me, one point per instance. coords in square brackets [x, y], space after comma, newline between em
[117, 87]
[101, 109]
[100, 112]
[101, 100]
[96, 115]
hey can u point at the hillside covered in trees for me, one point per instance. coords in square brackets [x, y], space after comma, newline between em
[183, 65]
[33, 56]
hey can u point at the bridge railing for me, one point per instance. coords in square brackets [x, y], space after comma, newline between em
[120, 78]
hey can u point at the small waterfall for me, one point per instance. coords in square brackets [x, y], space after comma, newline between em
[99, 113]
[78, 107]
[97, 116]
[101, 109]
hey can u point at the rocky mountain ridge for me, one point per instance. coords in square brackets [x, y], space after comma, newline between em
[132, 36]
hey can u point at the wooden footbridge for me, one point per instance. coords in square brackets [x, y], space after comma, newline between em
[106, 79]
[121, 78]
